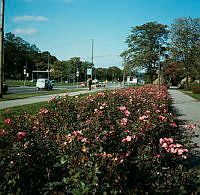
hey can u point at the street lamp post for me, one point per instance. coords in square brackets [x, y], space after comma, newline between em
[1, 47]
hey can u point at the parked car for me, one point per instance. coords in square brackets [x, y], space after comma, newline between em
[5, 88]
[100, 84]
[44, 84]
[33, 80]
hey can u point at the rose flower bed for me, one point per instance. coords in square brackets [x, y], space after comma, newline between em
[115, 142]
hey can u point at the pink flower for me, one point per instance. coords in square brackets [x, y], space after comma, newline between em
[173, 125]
[127, 139]
[122, 108]
[172, 146]
[8, 109]
[184, 157]
[173, 150]
[127, 113]
[180, 151]
[157, 111]
[126, 131]
[45, 111]
[21, 134]
[179, 145]
[161, 141]
[164, 145]
[77, 133]
[147, 112]
[141, 118]
[161, 117]
[7, 120]
[124, 121]
[169, 140]
[2, 132]
[189, 126]
[165, 111]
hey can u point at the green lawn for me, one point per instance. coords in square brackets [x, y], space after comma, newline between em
[195, 96]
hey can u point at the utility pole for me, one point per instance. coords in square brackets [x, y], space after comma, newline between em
[1, 47]
[48, 65]
[92, 53]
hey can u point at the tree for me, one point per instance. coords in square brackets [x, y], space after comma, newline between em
[57, 71]
[145, 46]
[185, 45]
[172, 71]
[18, 54]
[114, 73]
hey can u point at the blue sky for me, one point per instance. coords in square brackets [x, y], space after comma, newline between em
[66, 27]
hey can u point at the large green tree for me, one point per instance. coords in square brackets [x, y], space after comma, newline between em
[146, 44]
[185, 45]
[19, 54]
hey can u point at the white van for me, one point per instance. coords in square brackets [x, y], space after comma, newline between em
[44, 84]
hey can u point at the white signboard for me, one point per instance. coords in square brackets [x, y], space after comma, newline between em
[89, 71]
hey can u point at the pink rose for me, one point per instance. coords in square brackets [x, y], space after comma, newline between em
[21, 134]
[7, 121]
[127, 113]
[162, 141]
[169, 140]
[164, 145]
[122, 108]
[180, 151]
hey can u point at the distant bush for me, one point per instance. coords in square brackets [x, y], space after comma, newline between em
[195, 88]
[115, 142]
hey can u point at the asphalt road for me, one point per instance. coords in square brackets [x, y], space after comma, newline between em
[25, 89]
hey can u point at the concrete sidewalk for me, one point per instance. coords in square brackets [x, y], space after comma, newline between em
[31, 100]
[188, 110]
[187, 107]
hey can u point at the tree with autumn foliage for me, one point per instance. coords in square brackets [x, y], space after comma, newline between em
[172, 71]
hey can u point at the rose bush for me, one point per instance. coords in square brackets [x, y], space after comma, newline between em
[121, 141]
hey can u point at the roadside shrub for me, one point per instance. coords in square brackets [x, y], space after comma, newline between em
[121, 141]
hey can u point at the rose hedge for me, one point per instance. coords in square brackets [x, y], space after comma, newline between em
[122, 141]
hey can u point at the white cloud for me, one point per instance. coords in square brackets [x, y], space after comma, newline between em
[25, 31]
[29, 18]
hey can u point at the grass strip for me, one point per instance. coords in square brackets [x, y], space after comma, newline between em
[193, 95]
